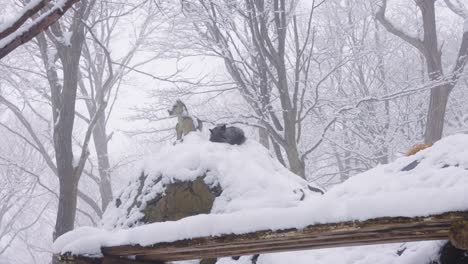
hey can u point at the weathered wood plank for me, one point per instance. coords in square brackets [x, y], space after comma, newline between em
[105, 260]
[353, 233]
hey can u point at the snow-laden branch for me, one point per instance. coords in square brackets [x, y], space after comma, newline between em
[32, 8]
[22, 34]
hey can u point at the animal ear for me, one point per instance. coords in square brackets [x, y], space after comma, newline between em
[223, 127]
[211, 130]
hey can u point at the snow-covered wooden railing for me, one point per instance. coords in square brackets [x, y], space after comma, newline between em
[352, 233]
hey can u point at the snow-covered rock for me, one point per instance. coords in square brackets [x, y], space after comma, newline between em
[242, 177]
[259, 194]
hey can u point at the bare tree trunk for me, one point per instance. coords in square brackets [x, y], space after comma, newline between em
[63, 131]
[436, 113]
[384, 155]
[263, 137]
[265, 101]
[289, 114]
[100, 140]
[439, 95]
[63, 107]
[296, 165]
[67, 205]
[277, 149]
[63, 99]
[100, 143]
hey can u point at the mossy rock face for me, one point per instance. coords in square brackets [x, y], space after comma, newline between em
[181, 199]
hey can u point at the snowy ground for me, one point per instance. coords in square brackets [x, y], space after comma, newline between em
[414, 253]
[251, 177]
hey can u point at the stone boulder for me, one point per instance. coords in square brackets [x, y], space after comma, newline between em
[181, 199]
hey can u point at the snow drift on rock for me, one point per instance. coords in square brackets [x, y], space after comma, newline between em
[247, 175]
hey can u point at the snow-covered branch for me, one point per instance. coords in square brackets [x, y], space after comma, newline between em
[32, 8]
[16, 35]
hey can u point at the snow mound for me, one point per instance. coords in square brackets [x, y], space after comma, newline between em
[436, 182]
[247, 175]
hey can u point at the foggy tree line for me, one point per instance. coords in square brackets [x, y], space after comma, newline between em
[331, 88]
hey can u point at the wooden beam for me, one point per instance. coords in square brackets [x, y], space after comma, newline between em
[352, 233]
[105, 260]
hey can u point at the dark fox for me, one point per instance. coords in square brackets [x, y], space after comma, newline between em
[232, 135]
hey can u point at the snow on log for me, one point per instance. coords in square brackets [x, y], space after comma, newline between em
[351, 233]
